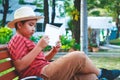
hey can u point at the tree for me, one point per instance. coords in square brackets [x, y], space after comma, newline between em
[77, 23]
[46, 12]
[114, 11]
[111, 7]
[73, 11]
[5, 4]
[53, 12]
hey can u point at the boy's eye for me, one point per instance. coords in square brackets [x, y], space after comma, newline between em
[31, 24]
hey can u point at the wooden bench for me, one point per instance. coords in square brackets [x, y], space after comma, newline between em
[7, 69]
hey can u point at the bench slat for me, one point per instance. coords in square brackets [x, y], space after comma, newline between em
[3, 47]
[5, 66]
[7, 69]
[9, 76]
[4, 54]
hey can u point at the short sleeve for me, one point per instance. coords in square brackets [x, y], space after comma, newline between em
[17, 47]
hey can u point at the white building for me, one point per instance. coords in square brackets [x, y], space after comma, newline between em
[102, 27]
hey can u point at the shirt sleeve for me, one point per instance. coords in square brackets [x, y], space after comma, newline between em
[16, 47]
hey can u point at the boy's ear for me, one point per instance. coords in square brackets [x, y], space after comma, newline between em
[19, 24]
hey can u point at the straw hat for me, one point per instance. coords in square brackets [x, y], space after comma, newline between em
[23, 13]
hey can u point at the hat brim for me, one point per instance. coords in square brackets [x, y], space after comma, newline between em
[12, 23]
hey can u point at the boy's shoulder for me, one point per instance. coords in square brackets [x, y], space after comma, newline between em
[18, 39]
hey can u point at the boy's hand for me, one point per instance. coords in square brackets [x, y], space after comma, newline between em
[43, 42]
[57, 47]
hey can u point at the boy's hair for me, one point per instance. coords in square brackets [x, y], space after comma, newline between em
[16, 27]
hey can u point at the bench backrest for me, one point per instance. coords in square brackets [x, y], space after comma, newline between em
[7, 69]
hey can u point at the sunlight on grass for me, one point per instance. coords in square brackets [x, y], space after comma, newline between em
[115, 41]
[106, 62]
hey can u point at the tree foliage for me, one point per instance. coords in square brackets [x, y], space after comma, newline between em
[110, 7]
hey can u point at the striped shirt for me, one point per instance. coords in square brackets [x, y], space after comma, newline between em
[20, 46]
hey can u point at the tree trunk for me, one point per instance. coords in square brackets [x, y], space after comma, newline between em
[118, 27]
[53, 12]
[117, 24]
[5, 4]
[46, 12]
[76, 32]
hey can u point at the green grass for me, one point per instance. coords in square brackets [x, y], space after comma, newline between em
[115, 41]
[106, 62]
[103, 62]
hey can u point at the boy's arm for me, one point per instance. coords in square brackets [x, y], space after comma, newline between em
[53, 51]
[23, 63]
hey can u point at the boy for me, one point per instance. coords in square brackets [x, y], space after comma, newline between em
[30, 60]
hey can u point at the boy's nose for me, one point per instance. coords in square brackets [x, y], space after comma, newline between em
[33, 28]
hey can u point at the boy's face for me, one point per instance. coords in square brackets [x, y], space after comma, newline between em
[28, 28]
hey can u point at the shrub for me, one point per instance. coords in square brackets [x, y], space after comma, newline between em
[5, 35]
[68, 43]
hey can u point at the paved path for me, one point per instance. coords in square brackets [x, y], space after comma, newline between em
[109, 51]
[109, 46]
[94, 54]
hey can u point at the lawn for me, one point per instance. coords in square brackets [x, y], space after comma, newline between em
[102, 62]
[107, 62]
[115, 41]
